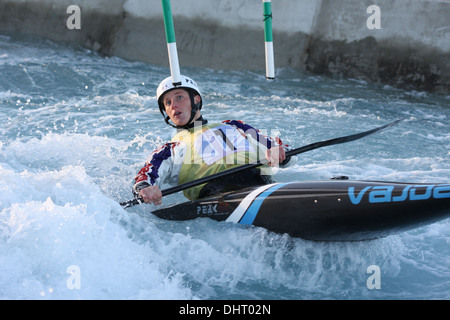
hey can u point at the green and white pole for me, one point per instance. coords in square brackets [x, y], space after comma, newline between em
[171, 43]
[270, 67]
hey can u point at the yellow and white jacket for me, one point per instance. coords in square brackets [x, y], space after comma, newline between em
[201, 151]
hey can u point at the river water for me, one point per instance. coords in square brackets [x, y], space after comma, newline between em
[75, 127]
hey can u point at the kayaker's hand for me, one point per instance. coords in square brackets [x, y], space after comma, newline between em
[275, 156]
[151, 194]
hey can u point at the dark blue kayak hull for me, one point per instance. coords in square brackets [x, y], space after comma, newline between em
[325, 210]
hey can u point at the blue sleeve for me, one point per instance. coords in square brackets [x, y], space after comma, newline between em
[150, 172]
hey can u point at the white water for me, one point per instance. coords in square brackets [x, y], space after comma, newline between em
[75, 128]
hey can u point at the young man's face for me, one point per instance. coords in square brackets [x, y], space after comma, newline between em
[178, 106]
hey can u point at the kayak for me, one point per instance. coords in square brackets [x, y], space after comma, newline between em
[334, 210]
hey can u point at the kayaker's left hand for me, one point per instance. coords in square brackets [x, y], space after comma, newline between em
[275, 155]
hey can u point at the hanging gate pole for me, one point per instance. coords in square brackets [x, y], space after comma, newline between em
[270, 68]
[171, 43]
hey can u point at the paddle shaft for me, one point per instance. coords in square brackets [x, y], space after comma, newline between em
[289, 153]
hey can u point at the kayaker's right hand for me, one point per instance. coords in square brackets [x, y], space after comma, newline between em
[151, 194]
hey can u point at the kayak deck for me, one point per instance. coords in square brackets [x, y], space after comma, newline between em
[325, 210]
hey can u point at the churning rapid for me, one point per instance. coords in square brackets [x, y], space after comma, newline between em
[75, 127]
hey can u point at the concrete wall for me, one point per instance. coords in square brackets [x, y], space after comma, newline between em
[331, 37]
[412, 48]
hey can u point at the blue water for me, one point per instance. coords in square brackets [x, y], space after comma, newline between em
[75, 127]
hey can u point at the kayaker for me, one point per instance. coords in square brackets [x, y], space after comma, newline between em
[200, 149]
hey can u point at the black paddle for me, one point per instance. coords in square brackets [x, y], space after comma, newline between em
[289, 153]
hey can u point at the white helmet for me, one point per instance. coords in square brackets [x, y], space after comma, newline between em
[167, 85]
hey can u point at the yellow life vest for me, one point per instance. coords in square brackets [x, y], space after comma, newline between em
[212, 148]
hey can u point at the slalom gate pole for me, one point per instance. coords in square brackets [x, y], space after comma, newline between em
[270, 68]
[171, 43]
